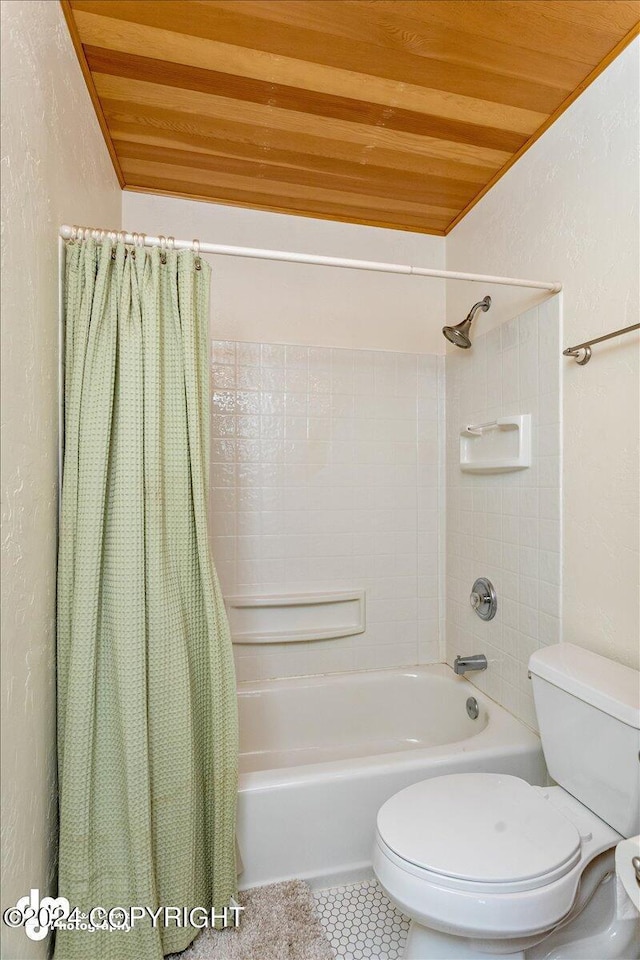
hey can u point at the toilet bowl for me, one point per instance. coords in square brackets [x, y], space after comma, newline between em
[486, 865]
[504, 867]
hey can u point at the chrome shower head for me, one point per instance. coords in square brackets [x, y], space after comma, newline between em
[459, 335]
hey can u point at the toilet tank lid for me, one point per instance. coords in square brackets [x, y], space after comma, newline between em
[606, 685]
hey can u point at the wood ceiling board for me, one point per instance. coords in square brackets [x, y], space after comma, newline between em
[193, 191]
[338, 199]
[308, 102]
[586, 36]
[193, 102]
[398, 113]
[170, 129]
[353, 178]
[635, 32]
[186, 182]
[263, 34]
[391, 29]
[107, 36]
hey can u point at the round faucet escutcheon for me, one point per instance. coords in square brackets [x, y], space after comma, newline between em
[483, 599]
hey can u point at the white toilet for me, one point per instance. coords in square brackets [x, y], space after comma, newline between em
[486, 865]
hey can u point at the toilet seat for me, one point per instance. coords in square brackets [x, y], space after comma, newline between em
[468, 904]
[480, 831]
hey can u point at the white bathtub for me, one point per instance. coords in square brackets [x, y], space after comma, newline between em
[319, 755]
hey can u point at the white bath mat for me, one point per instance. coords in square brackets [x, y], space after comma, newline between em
[279, 922]
[361, 922]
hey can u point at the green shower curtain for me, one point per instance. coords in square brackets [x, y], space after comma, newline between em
[147, 721]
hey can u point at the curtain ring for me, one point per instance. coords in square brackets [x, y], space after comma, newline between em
[163, 249]
[171, 242]
[196, 250]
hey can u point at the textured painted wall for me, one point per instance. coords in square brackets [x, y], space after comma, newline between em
[55, 168]
[568, 210]
[268, 302]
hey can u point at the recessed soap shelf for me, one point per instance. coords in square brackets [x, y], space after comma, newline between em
[496, 446]
[293, 618]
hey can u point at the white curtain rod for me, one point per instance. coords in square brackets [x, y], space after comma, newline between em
[69, 233]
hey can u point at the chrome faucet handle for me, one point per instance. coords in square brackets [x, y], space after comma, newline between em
[476, 600]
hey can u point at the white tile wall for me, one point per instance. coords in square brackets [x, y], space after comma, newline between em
[327, 474]
[506, 526]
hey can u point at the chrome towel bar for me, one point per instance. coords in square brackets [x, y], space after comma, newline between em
[586, 346]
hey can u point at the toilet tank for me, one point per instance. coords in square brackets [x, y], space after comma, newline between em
[588, 710]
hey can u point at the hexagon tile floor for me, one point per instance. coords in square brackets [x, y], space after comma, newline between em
[361, 923]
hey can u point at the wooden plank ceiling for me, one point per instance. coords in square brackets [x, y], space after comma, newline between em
[396, 113]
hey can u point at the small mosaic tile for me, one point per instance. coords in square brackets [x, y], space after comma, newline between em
[361, 923]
